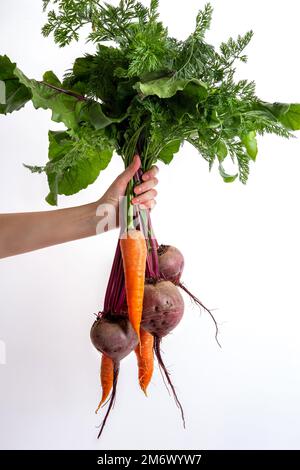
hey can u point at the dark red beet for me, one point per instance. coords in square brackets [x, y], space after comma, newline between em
[163, 308]
[171, 263]
[114, 336]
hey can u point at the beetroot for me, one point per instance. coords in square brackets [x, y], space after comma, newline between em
[171, 263]
[162, 309]
[114, 336]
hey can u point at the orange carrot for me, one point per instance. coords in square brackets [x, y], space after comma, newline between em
[106, 377]
[134, 254]
[145, 359]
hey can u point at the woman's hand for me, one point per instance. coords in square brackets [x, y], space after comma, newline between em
[145, 192]
[23, 232]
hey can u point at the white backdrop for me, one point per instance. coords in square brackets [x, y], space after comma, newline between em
[241, 246]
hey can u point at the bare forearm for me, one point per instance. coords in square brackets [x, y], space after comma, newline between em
[20, 233]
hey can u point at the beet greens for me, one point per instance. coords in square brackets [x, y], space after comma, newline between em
[148, 91]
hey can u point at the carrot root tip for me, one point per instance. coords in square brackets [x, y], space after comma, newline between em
[111, 399]
[99, 406]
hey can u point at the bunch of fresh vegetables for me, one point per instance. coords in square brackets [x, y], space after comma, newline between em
[142, 92]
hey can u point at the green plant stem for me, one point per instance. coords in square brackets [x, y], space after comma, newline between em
[129, 206]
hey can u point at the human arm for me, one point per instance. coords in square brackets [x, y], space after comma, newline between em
[29, 231]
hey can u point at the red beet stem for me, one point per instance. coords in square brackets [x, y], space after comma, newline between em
[115, 292]
[152, 270]
[119, 282]
[115, 283]
[110, 283]
[154, 247]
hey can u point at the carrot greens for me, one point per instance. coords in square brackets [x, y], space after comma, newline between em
[142, 89]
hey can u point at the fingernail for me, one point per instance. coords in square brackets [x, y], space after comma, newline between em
[134, 160]
[145, 177]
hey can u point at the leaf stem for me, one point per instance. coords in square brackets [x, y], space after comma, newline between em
[129, 208]
[66, 92]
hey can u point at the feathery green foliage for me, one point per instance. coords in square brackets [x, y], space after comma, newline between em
[144, 91]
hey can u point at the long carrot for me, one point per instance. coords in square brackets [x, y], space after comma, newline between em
[106, 377]
[134, 254]
[145, 358]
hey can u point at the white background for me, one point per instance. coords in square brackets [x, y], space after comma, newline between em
[241, 246]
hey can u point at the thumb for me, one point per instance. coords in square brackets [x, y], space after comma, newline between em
[131, 169]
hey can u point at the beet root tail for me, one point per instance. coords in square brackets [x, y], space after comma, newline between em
[201, 305]
[166, 375]
[112, 398]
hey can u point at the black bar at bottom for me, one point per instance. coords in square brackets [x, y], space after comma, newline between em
[133, 459]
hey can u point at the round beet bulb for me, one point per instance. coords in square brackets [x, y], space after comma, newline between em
[114, 336]
[171, 263]
[162, 309]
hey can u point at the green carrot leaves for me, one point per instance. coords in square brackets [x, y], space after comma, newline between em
[145, 92]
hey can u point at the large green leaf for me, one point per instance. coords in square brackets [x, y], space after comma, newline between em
[250, 143]
[13, 94]
[287, 114]
[65, 108]
[186, 101]
[291, 119]
[74, 162]
[81, 173]
[168, 87]
[95, 116]
[195, 89]
[50, 78]
[167, 153]
[221, 150]
[60, 143]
